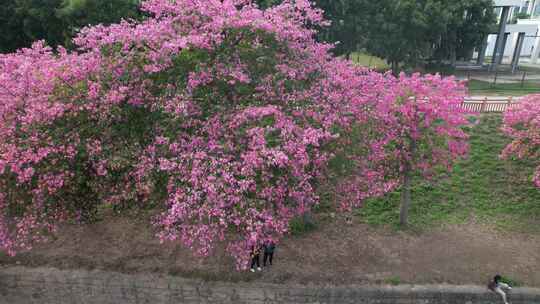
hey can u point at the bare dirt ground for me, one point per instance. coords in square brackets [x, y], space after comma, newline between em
[335, 253]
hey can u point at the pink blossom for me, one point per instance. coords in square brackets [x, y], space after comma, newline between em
[522, 124]
[222, 114]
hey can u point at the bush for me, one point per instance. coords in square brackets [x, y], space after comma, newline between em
[302, 224]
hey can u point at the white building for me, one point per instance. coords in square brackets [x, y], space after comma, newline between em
[518, 34]
[504, 9]
[529, 27]
[529, 7]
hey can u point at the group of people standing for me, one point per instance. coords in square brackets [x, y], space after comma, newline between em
[268, 249]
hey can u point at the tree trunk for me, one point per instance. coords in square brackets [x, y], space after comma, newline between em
[406, 188]
[405, 197]
[453, 56]
[395, 67]
[453, 48]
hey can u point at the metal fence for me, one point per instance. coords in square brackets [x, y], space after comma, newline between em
[524, 80]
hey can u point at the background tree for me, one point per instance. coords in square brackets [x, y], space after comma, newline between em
[469, 22]
[80, 13]
[264, 4]
[406, 32]
[56, 21]
[349, 22]
[403, 31]
[24, 21]
[11, 36]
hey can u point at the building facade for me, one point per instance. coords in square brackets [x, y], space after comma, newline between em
[521, 39]
[528, 7]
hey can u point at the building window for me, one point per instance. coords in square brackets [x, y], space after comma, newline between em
[536, 10]
[525, 7]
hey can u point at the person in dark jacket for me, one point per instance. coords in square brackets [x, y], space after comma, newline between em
[269, 248]
[255, 258]
[497, 286]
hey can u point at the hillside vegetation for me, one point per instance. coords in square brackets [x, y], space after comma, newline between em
[483, 187]
[486, 205]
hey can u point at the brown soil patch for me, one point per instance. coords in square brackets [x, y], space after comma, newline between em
[335, 253]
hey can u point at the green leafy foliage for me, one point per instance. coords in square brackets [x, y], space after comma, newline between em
[393, 281]
[24, 21]
[510, 281]
[469, 22]
[406, 32]
[56, 21]
[302, 224]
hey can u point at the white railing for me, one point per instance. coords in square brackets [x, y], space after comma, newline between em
[487, 104]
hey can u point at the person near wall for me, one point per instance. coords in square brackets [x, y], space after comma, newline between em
[497, 286]
[255, 258]
[269, 248]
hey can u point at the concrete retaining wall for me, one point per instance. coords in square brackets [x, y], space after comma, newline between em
[19, 285]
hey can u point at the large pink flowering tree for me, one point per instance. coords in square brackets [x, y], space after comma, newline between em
[424, 130]
[213, 111]
[414, 129]
[522, 125]
[218, 114]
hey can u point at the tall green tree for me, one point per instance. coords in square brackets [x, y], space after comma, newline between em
[349, 20]
[80, 13]
[56, 21]
[403, 31]
[469, 24]
[267, 3]
[11, 33]
[24, 21]
[407, 32]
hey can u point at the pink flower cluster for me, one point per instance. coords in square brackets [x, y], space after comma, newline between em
[222, 115]
[393, 127]
[522, 125]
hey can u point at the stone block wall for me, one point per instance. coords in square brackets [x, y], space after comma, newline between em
[20, 285]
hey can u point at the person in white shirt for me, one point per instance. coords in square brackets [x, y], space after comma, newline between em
[497, 286]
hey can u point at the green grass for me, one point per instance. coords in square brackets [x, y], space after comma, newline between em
[302, 225]
[478, 87]
[491, 190]
[393, 281]
[511, 282]
[369, 61]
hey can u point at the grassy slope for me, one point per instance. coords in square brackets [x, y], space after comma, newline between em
[367, 60]
[481, 187]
